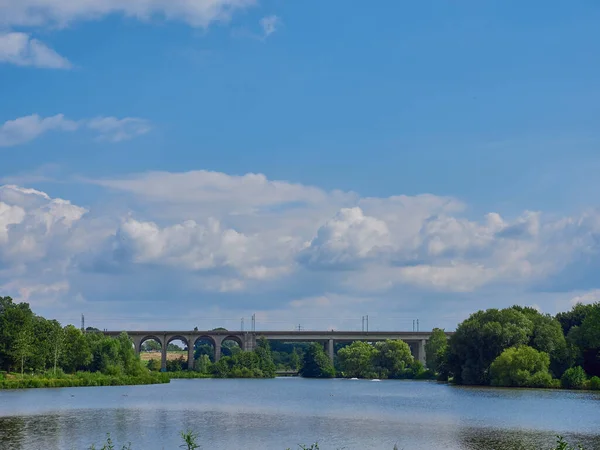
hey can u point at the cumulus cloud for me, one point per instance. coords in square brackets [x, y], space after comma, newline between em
[23, 50]
[241, 237]
[198, 13]
[25, 129]
[348, 237]
[269, 25]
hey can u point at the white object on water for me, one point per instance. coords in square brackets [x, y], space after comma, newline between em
[375, 379]
[354, 378]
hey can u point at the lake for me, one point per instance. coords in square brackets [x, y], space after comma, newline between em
[284, 412]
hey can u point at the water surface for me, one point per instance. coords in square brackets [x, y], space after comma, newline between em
[280, 413]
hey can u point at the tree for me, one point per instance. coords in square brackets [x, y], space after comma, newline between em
[548, 337]
[263, 350]
[203, 364]
[574, 378]
[521, 366]
[573, 318]
[76, 353]
[391, 358]
[356, 360]
[316, 363]
[295, 360]
[22, 346]
[435, 349]
[480, 339]
[14, 317]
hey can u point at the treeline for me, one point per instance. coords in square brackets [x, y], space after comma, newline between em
[33, 346]
[254, 364]
[521, 347]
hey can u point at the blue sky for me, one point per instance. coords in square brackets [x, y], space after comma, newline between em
[147, 116]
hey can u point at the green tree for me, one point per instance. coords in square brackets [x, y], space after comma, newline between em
[22, 347]
[76, 353]
[14, 317]
[316, 363]
[391, 358]
[574, 378]
[263, 351]
[203, 364]
[521, 366]
[435, 349]
[356, 360]
[295, 360]
[480, 339]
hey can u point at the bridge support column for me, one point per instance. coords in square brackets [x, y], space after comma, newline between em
[218, 344]
[190, 354]
[330, 349]
[421, 351]
[163, 357]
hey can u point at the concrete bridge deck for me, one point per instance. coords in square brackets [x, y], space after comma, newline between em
[247, 339]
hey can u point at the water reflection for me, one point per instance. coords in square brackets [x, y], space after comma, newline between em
[276, 414]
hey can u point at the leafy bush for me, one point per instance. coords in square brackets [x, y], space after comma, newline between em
[521, 366]
[594, 383]
[574, 378]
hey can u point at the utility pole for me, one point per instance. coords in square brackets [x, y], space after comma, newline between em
[417, 324]
[363, 323]
[82, 323]
[367, 316]
[253, 322]
[242, 324]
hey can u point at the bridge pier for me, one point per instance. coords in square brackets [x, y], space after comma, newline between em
[190, 361]
[163, 358]
[330, 349]
[421, 351]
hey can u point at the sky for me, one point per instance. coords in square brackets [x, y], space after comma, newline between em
[166, 164]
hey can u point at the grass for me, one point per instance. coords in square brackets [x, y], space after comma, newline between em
[147, 356]
[190, 442]
[79, 379]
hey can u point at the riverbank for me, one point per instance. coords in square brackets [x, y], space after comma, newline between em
[79, 379]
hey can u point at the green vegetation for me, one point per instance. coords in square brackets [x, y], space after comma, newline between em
[521, 366]
[316, 363]
[388, 359]
[190, 442]
[521, 347]
[36, 352]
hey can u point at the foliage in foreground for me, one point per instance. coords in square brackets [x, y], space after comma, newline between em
[190, 442]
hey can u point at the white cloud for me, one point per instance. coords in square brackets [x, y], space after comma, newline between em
[198, 13]
[116, 130]
[586, 298]
[22, 50]
[27, 128]
[348, 237]
[250, 240]
[269, 25]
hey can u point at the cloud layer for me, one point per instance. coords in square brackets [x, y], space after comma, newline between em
[62, 13]
[23, 50]
[242, 241]
[27, 128]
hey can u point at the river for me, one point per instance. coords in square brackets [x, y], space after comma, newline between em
[284, 412]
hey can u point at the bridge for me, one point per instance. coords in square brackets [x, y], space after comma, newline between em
[247, 339]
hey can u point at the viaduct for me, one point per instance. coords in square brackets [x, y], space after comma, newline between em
[247, 339]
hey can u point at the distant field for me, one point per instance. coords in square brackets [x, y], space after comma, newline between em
[147, 356]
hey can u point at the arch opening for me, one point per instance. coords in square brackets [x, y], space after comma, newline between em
[177, 354]
[231, 345]
[204, 353]
[151, 352]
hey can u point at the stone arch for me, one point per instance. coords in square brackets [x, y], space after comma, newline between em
[178, 337]
[226, 350]
[147, 338]
[215, 346]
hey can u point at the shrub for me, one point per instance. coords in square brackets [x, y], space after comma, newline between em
[521, 366]
[595, 383]
[574, 378]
